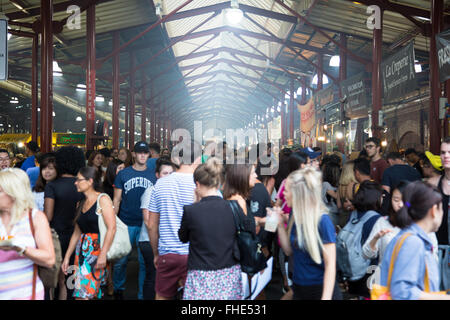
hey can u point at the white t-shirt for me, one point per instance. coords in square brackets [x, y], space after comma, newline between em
[39, 200]
[145, 201]
[382, 243]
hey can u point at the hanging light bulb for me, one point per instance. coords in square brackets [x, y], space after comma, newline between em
[324, 79]
[234, 15]
[57, 71]
[335, 61]
[78, 119]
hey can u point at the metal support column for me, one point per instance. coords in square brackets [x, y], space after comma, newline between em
[46, 128]
[144, 110]
[283, 123]
[152, 121]
[34, 88]
[437, 7]
[132, 102]
[90, 77]
[116, 93]
[291, 109]
[342, 77]
[127, 123]
[376, 77]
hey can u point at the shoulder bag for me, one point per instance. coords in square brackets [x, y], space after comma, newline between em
[252, 258]
[121, 245]
[49, 276]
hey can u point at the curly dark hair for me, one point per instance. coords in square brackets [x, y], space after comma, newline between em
[69, 160]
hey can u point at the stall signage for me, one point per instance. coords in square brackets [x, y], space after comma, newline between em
[307, 116]
[324, 97]
[443, 53]
[354, 91]
[70, 139]
[399, 75]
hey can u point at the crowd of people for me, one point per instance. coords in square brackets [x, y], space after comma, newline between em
[342, 222]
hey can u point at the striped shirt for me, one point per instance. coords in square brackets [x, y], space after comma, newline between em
[16, 272]
[170, 195]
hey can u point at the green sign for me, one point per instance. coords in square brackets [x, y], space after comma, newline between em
[70, 138]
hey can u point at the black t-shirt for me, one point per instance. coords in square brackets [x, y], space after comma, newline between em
[258, 201]
[66, 197]
[418, 167]
[88, 221]
[396, 173]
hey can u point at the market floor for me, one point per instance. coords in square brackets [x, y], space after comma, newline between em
[273, 290]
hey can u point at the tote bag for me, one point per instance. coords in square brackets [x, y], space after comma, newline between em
[121, 245]
[380, 292]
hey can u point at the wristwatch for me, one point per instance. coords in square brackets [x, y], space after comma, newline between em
[22, 251]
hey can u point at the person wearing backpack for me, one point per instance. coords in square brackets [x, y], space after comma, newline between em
[415, 272]
[352, 265]
[310, 238]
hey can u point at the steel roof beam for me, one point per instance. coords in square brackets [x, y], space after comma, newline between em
[335, 80]
[236, 88]
[181, 78]
[176, 62]
[172, 43]
[226, 5]
[226, 95]
[141, 34]
[58, 7]
[253, 91]
[351, 55]
[255, 35]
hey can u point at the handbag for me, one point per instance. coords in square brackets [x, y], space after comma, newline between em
[49, 276]
[380, 292]
[121, 245]
[251, 257]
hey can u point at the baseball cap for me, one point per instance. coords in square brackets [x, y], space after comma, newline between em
[141, 147]
[435, 161]
[310, 152]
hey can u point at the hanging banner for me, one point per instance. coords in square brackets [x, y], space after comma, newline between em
[354, 91]
[324, 97]
[3, 49]
[399, 75]
[275, 130]
[443, 53]
[307, 116]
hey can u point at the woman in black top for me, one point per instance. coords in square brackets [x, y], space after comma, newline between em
[208, 225]
[90, 259]
[61, 199]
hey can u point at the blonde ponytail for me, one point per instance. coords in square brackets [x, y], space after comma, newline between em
[307, 207]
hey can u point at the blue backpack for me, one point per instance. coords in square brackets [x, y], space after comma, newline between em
[349, 258]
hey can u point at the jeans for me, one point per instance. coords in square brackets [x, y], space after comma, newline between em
[120, 266]
[150, 271]
[444, 267]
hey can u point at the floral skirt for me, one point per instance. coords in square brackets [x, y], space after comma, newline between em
[88, 280]
[223, 284]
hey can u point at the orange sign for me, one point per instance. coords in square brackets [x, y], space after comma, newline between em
[307, 116]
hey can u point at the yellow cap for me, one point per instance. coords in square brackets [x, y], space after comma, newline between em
[435, 160]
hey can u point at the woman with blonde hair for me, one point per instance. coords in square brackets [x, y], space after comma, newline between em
[310, 238]
[348, 185]
[18, 274]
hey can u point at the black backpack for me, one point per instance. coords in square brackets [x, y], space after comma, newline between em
[251, 257]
